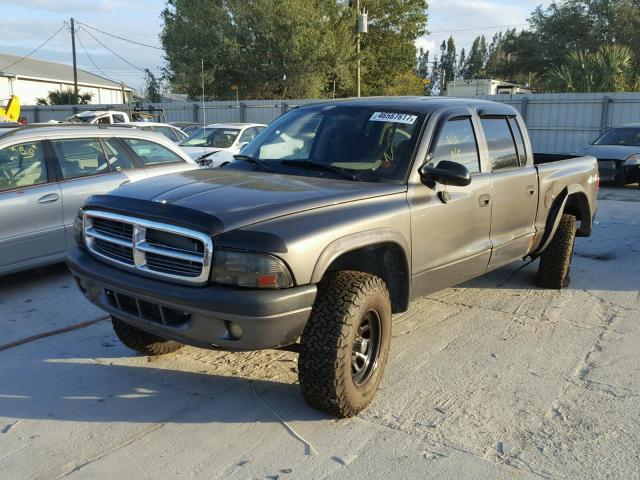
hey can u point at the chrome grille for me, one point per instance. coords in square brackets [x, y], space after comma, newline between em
[151, 248]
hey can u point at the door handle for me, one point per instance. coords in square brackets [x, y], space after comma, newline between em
[125, 182]
[49, 198]
[531, 190]
[484, 200]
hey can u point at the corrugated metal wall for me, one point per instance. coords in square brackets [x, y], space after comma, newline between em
[558, 123]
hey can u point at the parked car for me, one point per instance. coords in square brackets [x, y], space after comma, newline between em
[186, 127]
[47, 172]
[172, 133]
[332, 220]
[100, 117]
[618, 154]
[219, 137]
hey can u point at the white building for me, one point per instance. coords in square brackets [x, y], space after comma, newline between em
[31, 79]
[484, 86]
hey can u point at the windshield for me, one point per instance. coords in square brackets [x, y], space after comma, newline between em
[375, 144]
[626, 136]
[81, 118]
[212, 137]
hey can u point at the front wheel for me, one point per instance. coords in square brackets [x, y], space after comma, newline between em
[555, 261]
[345, 345]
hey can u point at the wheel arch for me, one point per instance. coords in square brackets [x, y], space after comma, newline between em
[572, 200]
[381, 252]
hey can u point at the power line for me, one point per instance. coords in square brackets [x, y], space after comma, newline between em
[120, 38]
[89, 56]
[479, 28]
[35, 49]
[117, 55]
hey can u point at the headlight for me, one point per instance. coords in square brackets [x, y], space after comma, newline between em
[247, 269]
[632, 160]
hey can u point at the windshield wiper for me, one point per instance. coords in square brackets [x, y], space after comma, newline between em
[253, 161]
[311, 165]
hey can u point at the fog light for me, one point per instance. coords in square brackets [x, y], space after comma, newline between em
[235, 330]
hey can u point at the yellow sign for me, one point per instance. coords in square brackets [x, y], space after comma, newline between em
[234, 87]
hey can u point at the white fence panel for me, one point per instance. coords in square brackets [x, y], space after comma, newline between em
[558, 123]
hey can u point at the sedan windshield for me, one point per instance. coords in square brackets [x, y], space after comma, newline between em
[625, 136]
[212, 137]
[370, 144]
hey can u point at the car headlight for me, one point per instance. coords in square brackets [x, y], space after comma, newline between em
[248, 269]
[632, 160]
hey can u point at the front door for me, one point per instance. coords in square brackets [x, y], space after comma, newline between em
[450, 225]
[31, 221]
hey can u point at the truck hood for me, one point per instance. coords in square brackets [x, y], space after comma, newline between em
[609, 152]
[237, 199]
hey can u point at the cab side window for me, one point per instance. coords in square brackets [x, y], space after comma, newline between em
[457, 143]
[502, 149]
[80, 157]
[151, 153]
[22, 165]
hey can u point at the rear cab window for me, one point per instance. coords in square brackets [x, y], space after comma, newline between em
[151, 153]
[22, 165]
[500, 142]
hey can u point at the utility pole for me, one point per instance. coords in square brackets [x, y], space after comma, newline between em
[358, 51]
[362, 28]
[75, 68]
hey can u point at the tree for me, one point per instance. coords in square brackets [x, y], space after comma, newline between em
[255, 44]
[448, 60]
[462, 65]
[152, 87]
[477, 59]
[64, 97]
[608, 69]
[422, 67]
[572, 25]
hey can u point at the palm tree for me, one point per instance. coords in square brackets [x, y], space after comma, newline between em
[64, 97]
[608, 69]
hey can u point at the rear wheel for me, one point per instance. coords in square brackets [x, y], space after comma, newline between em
[345, 345]
[141, 341]
[555, 261]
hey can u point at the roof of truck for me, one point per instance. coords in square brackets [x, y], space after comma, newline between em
[422, 104]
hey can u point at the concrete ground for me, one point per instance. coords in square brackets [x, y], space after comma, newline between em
[493, 379]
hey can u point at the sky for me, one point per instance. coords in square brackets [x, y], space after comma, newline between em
[28, 23]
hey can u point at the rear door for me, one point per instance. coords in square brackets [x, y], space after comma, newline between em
[89, 166]
[31, 205]
[514, 190]
[450, 225]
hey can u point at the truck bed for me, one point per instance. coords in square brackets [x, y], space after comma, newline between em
[540, 158]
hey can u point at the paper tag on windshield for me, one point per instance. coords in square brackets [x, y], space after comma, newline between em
[393, 117]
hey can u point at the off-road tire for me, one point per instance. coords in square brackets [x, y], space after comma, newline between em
[555, 261]
[344, 299]
[141, 341]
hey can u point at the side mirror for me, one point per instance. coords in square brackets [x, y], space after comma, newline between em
[242, 145]
[447, 173]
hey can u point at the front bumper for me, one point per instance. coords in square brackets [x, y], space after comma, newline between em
[206, 317]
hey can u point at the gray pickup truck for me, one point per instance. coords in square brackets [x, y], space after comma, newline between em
[327, 225]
